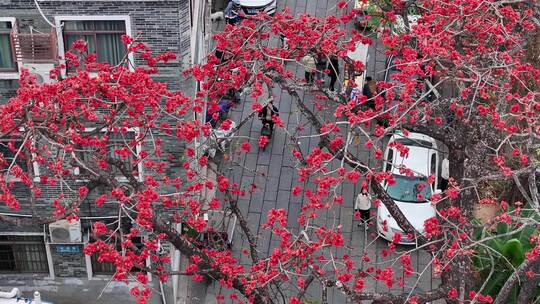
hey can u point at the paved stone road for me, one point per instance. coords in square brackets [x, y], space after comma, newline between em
[274, 174]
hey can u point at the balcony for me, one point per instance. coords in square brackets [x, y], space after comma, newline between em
[35, 47]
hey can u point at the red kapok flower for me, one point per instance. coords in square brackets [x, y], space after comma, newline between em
[452, 294]
[126, 39]
[256, 107]
[263, 140]
[83, 191]
[294, 300]
[246, 146]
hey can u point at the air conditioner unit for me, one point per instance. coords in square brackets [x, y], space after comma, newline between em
[63, 231]
[40, 70]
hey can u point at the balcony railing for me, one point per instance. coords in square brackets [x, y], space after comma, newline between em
[35, 47]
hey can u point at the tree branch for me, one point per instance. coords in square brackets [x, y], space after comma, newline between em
[352, 161]
[502, 297]
[244, 226]
[187, 248]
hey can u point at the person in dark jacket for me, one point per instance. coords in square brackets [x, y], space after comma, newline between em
[370, 90]
[266, 114]
[333, 66]
[232, 12]
[321, 66]
[224, 105]
[365, 90]
[233, 96]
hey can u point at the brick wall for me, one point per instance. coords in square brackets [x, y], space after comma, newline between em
[68, 264]
[165, 26]
[8, 89]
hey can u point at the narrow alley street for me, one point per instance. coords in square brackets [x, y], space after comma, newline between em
[273, 172]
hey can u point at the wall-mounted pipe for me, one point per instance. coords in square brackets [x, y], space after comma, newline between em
[9, 295]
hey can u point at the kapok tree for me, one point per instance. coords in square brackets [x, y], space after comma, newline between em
[463, 79]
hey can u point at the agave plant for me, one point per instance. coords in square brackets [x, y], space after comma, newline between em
[498, 258]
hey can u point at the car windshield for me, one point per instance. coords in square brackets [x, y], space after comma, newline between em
[407, 189]
[414, 142]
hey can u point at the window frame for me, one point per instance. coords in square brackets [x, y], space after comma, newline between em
[59, 20]
[433, 164]
[34, 167]
[138, 150]
[91, 33]
[434, 168]
[33, 257]
[389, 160]
[10, 73]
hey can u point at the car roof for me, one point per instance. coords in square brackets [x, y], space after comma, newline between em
[414, 135]
[417, 160]
[419, 157]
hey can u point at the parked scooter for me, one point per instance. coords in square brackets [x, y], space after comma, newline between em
[267, 122]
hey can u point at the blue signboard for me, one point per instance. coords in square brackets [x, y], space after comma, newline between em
[68, 248]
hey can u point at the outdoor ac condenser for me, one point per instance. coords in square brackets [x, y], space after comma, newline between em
[40, 70]
[63, 231]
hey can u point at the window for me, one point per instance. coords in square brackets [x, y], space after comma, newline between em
[108, 268]
[23, 254]
[117, 142]
[7, 58]
[389, 160]
[102, 37]
[433, 164]
[122, 147]
[8, 150]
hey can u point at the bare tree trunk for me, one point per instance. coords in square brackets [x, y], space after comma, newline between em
[259, 295]
[528, 289]
[533, 50]
[514, 278]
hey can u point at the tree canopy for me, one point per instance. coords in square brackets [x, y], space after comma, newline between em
[465, 73]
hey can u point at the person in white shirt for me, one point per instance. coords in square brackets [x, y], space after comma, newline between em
[310, 66]
[363, 205]
[445, 174]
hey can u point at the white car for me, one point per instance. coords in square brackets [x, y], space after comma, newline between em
[410, 193]
[252, 7]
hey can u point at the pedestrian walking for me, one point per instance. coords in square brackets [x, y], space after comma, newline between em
[445, 174]
[333, 66]
[310, 66]
[370, 90]
[363, 205]
[284, 41]
[321, 66]
[267, 113]
[232, 12]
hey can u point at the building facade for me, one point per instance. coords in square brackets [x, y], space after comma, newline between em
[35, 35]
